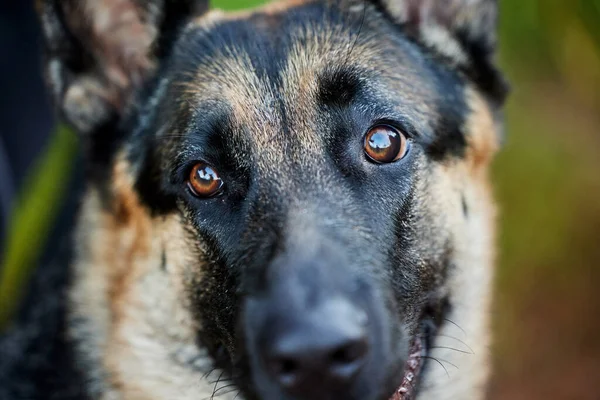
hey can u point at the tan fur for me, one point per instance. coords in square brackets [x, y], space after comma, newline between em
[137, 329]
[132, 318]
[483, 142]
[470, 282]
[235, 81]
[119, 37]
[230, 77]
[435, 29]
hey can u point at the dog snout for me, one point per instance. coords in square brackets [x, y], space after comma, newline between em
[323, 349]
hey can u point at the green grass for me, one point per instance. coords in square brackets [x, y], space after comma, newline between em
[33, 216]
[231, 5]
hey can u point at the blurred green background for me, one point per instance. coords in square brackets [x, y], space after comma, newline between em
[547, 312]
[547, 316]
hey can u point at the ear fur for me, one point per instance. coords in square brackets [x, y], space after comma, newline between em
[462, 31]
[448, 25]
[99, 51]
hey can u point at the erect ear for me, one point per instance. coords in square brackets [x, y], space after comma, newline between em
[99, 51]
[463, 31]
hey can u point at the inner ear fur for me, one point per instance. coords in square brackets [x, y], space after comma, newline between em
[99, 51]
[464, 32]
[471, 22]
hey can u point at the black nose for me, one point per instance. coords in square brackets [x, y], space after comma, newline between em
[323, 349]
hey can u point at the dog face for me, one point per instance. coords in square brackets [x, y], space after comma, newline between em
[290, 189]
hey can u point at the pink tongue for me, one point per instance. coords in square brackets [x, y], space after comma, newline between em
[411, 372]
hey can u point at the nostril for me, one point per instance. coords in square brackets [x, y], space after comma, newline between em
[347, 360]
[342, 356]
[340, 363]
[286, 369]
[349, 353]
[324, 348]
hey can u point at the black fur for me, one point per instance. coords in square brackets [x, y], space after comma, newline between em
[321, 222]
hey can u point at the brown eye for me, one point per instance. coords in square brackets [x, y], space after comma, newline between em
[385, 144]
[204, 181]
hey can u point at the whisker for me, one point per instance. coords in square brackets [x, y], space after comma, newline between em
[219, 380]
[455, 324]
[459, 341]
[230, 391]
[225, 387]
[207, 374]
[439, 362]
[362, 22]
[452, 348]
[447, 362]
[216, 384]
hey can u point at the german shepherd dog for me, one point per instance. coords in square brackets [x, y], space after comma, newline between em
[285, 203]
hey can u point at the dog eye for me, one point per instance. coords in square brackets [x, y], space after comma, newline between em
[204, 181]
[385, 144]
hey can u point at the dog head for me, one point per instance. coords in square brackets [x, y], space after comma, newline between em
[292, 189]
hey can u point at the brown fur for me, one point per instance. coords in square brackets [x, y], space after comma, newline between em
[139, 360]
[131, 311]
[465, 373]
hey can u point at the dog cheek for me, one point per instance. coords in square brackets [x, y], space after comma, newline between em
[214, 304]
[422, 255]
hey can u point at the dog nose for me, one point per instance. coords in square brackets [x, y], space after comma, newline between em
[324, 349]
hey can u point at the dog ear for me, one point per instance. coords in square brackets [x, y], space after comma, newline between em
[454, 28]
[464, 32]
[99, 51]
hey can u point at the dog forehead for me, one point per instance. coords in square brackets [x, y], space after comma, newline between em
[264, 66]
[258, 60]
[267, 71]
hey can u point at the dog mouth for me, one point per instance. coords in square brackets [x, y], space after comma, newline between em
[412, 371]
[413, 367]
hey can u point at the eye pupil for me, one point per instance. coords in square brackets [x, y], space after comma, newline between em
[204, 181]
[385, 144]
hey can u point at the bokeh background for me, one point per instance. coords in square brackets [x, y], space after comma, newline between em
[547, 309]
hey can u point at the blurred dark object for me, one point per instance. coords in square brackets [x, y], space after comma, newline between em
[6, 191]
[25, 114]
